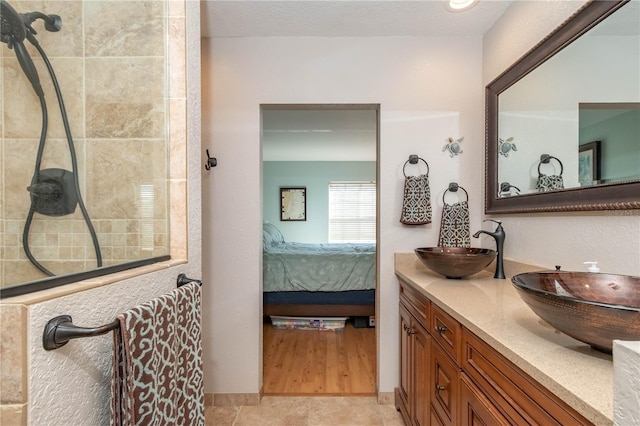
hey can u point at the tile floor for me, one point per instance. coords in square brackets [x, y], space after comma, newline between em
[307, 411]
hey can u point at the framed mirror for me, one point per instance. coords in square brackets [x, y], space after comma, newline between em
[545, 112]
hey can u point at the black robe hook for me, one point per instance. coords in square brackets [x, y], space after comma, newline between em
[211, 161]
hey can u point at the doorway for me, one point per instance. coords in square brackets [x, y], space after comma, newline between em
[319, 178]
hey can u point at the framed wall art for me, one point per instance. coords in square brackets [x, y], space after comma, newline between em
[293, 204]
[589, 163]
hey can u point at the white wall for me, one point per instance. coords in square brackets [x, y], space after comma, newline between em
[567, 239]
[429, 89]
[626, 388]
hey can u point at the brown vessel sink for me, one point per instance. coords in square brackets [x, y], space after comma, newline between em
[455, 262]
[594, 308]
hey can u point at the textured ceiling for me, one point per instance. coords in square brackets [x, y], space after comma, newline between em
[360, 18]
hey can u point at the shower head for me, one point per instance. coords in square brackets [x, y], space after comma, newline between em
[12, 28]
[52, 23]
[13, 32]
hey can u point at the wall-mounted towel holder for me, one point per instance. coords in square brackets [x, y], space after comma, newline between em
[546, 159]
[505, 189]
[453, 187]
[211, 161]
[59, 330]
[414, 159]
[184, 280]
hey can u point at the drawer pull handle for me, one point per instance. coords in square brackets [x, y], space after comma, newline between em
[441, 329]
[409, 330]
[440, 388]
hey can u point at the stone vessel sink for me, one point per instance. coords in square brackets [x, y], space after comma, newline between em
[594, 308]
[455, 262]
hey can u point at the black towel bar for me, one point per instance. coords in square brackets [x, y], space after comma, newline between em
[183, 280]
[59, 330]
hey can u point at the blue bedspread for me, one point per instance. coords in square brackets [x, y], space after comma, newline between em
[319, 267]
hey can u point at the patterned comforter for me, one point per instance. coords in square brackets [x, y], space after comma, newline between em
[319, 267]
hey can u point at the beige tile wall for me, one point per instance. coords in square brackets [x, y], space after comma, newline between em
[110, 60]
[13, 364]
[121, 227]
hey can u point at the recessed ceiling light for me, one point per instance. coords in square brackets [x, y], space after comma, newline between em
[460, 5]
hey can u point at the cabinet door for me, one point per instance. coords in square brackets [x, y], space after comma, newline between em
[444, 385]
[518, 396]
[421, 375]
[435, 420]
[405, 352]
[475, 408]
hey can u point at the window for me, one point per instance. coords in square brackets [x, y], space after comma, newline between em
[352, 212]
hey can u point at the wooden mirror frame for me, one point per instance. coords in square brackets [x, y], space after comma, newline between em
[614, 196]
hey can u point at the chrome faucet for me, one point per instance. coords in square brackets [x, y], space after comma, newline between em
[499, 236]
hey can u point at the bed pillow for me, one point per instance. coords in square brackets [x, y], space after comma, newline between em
[271, 235]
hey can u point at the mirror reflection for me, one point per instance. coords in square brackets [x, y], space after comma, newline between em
[575, 120]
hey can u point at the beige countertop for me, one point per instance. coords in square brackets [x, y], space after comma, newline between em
[493, 310]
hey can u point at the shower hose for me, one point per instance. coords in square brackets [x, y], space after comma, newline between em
[74, 165]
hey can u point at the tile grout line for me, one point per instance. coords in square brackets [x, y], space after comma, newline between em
[235, 419]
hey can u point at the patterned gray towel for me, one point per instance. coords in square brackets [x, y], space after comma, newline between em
[157, 362]
[454, 227]
[416, 204]
[549, 183]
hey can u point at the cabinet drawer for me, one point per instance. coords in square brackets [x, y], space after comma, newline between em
[447, 332]
[518, 397]
[475, 408]
[416, 303]
[444, 388]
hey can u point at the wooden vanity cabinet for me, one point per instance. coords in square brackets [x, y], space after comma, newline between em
[412, 396]
[446, 331]
[475, 408]
[444, 386]
[449, 376]
[518, 397]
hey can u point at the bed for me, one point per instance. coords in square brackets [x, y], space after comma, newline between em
[301, 279]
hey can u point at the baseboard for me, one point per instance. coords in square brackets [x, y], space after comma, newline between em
[386, 398]
[231, 399]
[208, 400]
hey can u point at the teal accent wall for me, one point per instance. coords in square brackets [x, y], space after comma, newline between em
[620, 146]
[315, 176]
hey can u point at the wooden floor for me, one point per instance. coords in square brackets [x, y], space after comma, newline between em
[313, 362]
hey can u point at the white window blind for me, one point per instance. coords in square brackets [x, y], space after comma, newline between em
[352, 212]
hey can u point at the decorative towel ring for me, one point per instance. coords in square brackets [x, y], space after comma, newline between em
[506, 187]
[413, 159]
[453, 187]
[546, 159]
